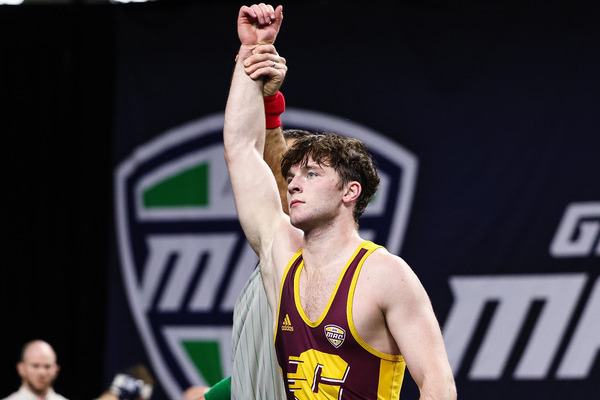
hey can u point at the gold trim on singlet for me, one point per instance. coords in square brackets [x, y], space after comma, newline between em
[305, 318]
[371, 247]
[391, 366]
[391, 376]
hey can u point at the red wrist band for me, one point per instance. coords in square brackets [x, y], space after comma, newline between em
[274, 107]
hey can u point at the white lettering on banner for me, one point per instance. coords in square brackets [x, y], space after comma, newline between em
[186, 252]
[578, 231]
[585, 343]
[514, 295]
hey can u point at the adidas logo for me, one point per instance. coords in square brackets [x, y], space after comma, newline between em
[287, 325]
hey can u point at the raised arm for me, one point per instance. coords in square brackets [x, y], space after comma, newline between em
[261, 65]
[256, 194]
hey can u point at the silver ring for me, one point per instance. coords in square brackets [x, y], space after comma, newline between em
[274, 64]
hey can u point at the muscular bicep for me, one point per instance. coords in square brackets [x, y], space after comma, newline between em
[256, 198]
[415, 328]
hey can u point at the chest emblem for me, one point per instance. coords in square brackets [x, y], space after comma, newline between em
[335, 335]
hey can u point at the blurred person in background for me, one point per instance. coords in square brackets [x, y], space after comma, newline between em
[38, 370]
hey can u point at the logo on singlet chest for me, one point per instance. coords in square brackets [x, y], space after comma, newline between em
[287, 325]
[335, 335]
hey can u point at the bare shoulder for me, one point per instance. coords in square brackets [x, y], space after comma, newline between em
[391, 278]
[383, 264]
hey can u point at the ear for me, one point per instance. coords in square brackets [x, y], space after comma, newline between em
[21, 369]
[353, 190]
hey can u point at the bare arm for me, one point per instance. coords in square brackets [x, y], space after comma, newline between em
[411, 320]
[266, 64]
[256, 194]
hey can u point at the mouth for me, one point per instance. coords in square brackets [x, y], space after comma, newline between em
[294, 202]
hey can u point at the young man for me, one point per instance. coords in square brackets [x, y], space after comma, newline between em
[350, 314]
[38, 371]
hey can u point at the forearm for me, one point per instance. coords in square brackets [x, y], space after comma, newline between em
[255, 192]
[244, 114]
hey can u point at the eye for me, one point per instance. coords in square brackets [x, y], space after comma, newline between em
[312, 174]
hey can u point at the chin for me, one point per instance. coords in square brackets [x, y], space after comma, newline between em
[304, 225]
[297, 223]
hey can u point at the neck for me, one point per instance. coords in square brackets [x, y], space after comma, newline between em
[327, 245]
[41, 394]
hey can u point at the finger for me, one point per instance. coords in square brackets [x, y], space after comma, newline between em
[278, 17]
[266, 68]
[258, 73]
[281, 67]
[254, 63]
[263, 66]
[263, 14]
[257, 14]
[248, 12]
[264, 48]
[258, 57]
[268, 11]
[266, 59]
[272, 73]
[271, 12]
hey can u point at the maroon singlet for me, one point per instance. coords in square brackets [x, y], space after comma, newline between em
[326, 359]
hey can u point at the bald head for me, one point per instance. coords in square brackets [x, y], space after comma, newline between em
[38, 348]
[38, 368]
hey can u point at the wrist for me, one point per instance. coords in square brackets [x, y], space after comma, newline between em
[274, 107]
[244, 52]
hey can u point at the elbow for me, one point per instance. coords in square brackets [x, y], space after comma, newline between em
[232, 151]
[227, 155]
[235, 148]
[452, 393]
[449, 389]
[442, 388]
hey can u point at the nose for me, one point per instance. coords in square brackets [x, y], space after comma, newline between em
[294, 185]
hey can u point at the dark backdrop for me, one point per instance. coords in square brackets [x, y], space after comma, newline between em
[444, 80]
[56, 85]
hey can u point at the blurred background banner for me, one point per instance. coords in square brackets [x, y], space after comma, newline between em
[484, 124]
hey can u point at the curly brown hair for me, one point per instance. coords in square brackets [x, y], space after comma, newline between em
[349, 157]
